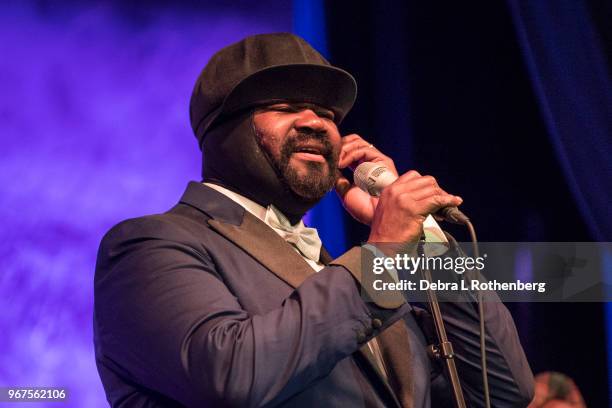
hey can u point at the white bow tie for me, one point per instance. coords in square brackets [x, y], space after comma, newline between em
[305, 239]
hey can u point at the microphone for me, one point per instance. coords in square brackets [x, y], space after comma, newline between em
[374, 177]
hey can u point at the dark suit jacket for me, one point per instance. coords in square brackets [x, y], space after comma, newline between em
[205, 305]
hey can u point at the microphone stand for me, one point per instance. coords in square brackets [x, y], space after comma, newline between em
[443, 350]
[372, 178]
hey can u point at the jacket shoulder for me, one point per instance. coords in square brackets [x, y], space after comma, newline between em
[178, 222]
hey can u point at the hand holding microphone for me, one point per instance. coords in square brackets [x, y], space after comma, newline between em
[394, 207]
[405, 204]
[373, 178]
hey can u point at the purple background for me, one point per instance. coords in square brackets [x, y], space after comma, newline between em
[94, 127]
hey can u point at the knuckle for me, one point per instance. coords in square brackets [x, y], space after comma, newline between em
[403, 205]
[431, 179]
[393, 191]
[407, 205]
[386, 160]
[387, 193]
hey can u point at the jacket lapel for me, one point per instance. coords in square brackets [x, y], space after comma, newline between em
[395, 350]
[267, 247]
[325, 258]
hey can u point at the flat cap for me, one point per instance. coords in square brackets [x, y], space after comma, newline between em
[265, 69]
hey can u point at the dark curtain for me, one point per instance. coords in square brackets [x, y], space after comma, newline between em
[565, 58]
[444, 89]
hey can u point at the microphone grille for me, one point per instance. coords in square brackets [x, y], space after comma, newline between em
[363, 174]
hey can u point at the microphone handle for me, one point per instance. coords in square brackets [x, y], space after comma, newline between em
[374, 177]
[453, 215]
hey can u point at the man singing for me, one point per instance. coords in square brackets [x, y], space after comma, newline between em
[228, 299]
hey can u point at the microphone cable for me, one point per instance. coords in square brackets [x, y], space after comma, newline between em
[372, 178]
[483, 350]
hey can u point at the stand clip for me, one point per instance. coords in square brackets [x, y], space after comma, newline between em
[444, 352]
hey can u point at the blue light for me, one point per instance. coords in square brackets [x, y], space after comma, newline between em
[607, 272]
[327, 216]
[309, 23]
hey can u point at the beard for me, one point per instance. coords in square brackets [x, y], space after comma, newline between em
[318, 179]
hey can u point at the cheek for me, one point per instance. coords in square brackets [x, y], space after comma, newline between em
[269, 142]
[268, 137]
[335, 139]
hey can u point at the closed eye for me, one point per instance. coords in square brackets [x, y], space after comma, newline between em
[283, 108]
[293, 108]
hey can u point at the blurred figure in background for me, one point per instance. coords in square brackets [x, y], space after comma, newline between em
[556, 390]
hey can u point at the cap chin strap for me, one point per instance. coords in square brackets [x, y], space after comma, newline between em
[233, 159]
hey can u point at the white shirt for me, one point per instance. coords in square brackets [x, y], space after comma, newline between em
[260, 212]
[431, 229]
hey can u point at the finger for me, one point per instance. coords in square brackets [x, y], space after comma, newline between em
[421, 182]
[357, 156]
[431, 203]
[424, 192]
[435, 202]
[427, 194]
[426, 186]
[342, 186]
[416, 188]
[347, 140]
[350, 144]
[351, 137]
[354, 145]
[357, 194]
[409, 175]
[362, 154]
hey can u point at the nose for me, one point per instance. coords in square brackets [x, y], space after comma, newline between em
[308, 119]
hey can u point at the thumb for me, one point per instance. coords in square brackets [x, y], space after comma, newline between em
[343, 185]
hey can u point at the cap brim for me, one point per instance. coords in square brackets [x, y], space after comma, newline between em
[327, 86]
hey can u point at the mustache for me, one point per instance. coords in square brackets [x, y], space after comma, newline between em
[302, 137]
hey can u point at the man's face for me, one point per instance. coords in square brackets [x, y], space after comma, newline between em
[303, 143]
